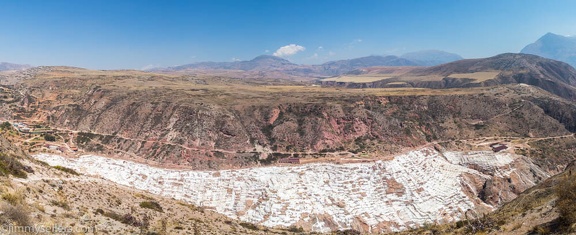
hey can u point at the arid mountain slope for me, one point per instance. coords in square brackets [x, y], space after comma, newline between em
[553, 76]
[555, 47]
[213, 125]
[266, 66]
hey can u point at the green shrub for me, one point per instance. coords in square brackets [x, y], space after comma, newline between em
[348, 232]
[49, 137]
[295, 229]
[112, 215]
[249, 226]
[66, 169]
[125, 219]
[151, 205]
[62, 204]
[5, 126]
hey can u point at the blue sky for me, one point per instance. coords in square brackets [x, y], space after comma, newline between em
[103, 34]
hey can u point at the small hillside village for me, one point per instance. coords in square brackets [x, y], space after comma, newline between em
[24, 128]
[41, 138]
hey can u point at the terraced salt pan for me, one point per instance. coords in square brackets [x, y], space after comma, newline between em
[419, 187]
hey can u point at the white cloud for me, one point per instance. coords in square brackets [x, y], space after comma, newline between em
[266, 51]
[289, 50]
[320, 47]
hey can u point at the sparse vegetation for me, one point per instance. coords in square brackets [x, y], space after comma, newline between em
[295, 229]
[66, 169]
[127, 218]
[249, 226]
[151, 205]
[566, 203]
[11, 166]
[60, 203]
[15, 213]
[356, 79]
[477, 76]
[348, 232]
[13, 198]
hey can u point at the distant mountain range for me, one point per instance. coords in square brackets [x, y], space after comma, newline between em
[265, 64]
[431, 57]
[9, 66]
[555, 47]
[338, 67]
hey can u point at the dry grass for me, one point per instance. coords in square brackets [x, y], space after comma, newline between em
[357, 79]
[478, 76]
[396, 83]
[70, 85]
[421, 78]
[566, 193]
[15, 213]
[151, 205]
[15, 197]
[65, 72]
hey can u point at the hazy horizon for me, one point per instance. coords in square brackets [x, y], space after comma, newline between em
[140, 34]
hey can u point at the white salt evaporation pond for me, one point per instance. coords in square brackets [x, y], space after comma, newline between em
[422, 186]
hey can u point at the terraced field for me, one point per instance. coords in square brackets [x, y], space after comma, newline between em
[422, 186]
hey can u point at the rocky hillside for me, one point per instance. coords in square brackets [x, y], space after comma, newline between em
[211, 125]
[554, 76]
[555, 47]
[377, 145]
